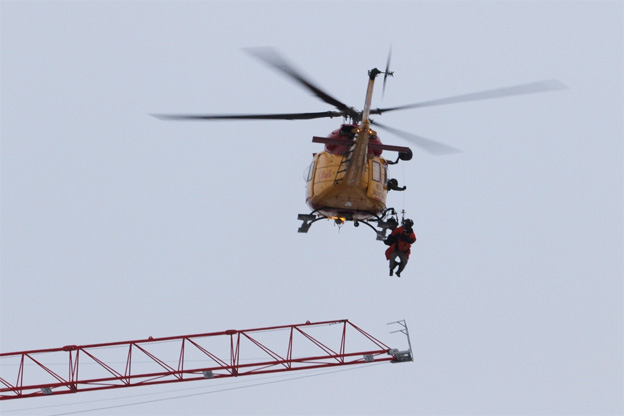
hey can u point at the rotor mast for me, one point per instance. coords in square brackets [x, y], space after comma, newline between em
[357, 165]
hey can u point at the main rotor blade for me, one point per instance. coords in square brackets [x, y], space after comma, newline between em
[285, 116]
[428, 145]
[534, 87]
[271, 57]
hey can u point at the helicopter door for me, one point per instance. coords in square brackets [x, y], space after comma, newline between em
[376, 181]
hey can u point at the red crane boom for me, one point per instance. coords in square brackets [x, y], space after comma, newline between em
[190, 357]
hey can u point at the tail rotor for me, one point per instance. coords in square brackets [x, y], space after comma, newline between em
[387, 73]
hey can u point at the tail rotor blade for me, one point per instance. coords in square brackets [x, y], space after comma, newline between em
[386, 73]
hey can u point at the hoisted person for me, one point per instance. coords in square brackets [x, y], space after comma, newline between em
[400, 242]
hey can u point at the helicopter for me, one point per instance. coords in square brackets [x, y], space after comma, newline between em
[348, 180]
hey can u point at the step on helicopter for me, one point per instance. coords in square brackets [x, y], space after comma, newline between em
[348, 181]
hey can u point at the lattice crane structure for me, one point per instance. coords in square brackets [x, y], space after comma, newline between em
[230, 353]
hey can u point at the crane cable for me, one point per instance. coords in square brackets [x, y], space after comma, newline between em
[403, 179]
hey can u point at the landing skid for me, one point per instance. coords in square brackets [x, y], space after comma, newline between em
[387, 221]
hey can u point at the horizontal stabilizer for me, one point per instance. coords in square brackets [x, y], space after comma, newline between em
[327, 140]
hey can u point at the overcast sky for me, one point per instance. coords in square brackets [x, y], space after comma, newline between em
[119, 226]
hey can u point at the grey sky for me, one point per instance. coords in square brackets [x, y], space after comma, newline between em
[118, 226]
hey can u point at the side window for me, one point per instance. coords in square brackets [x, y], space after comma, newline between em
[384, 172]
[376, 171]
[310, 171]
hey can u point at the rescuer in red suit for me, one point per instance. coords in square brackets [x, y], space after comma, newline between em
[400, 242]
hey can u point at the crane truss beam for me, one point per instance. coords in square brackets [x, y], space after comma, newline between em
[73, 368]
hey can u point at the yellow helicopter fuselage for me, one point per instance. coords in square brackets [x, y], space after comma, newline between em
[329, 192]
